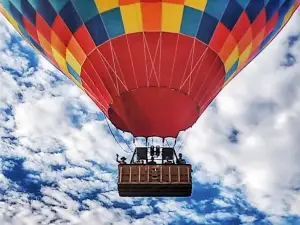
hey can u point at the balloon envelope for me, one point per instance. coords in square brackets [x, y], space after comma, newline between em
[152, 66]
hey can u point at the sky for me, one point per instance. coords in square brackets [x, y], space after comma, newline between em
[57, 155]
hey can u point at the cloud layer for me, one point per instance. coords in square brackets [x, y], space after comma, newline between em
[250, 139]
[57, 154]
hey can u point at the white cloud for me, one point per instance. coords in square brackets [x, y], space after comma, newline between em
[221, 203]
[9, 88]
[247, 219]
[219, 215]
[180, 209]
[69, 162]
[10, 60]
[143, 209]
[263, 104]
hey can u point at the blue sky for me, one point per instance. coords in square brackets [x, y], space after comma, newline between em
[57, 154]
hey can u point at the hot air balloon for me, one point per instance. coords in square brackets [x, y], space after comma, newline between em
[151, 66]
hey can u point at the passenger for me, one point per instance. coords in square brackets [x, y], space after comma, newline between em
[122, 161]
[168, 161]
[152, 162]
[181, 160]
[140, 162]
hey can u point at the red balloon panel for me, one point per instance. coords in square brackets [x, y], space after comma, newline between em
[146, 86]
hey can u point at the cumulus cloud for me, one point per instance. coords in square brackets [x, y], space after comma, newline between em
[247, 219]
[262, 104]
[57, 155]
[57, 158]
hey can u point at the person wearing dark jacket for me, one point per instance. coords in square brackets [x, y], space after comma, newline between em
[122, 161]
[152, 162]
[180, 160]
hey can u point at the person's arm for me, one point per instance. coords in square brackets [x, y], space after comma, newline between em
[117, 159]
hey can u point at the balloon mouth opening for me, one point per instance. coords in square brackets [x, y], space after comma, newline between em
[153, 111]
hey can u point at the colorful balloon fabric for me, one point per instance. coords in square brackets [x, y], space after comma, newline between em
[152, 66]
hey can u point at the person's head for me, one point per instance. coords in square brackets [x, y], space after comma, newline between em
[123, 158]
[180, 155]
[152, 158]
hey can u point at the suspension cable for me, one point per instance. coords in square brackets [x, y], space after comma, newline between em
[128, 145]
[183, 140]
[180, 146]
[175, 142]
[168, 143]
[130, 151]
[134, 140]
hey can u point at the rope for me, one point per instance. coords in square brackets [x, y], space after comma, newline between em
[130, 151]
[175, 142]
[183, 140]
[168, 143]
[128, 145]
[180, 146]
[134, 140]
